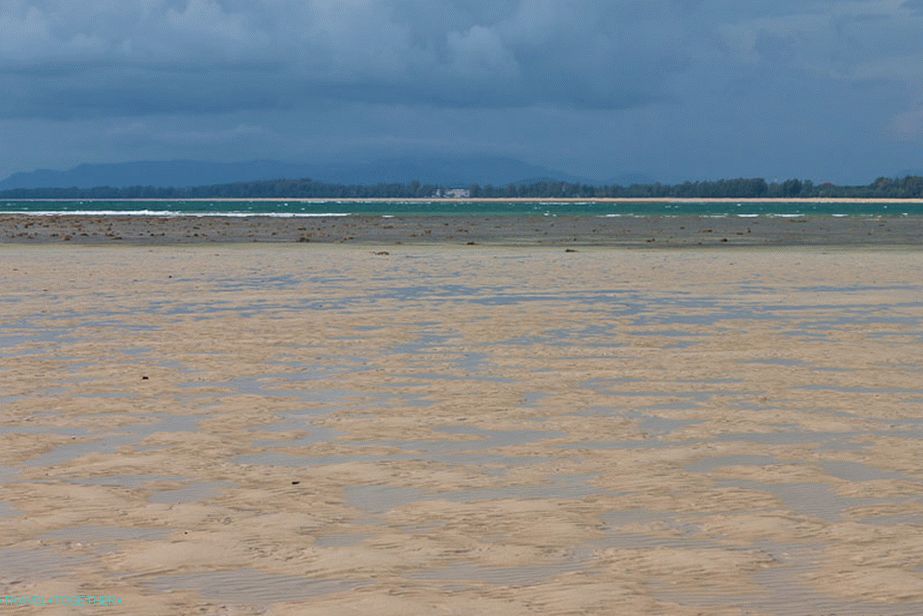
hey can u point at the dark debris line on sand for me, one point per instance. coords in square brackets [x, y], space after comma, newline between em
[651, 232]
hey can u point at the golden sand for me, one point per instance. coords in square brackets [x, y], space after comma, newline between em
[324, 430]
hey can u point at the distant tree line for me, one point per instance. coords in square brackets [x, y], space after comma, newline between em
[890, 188]
[304, 188]
[742, 188]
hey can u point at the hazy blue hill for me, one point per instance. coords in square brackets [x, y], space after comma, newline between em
[459, 171]
[449, 171]
[154, 173]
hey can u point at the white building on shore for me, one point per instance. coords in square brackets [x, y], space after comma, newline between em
[452, 193]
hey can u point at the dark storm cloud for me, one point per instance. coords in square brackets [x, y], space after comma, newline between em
[62, 58]
[671, 88]
[205, 56]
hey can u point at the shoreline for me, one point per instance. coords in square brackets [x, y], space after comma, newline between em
[320, 200]
[565, 231]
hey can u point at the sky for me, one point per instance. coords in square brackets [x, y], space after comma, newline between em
[830, 90]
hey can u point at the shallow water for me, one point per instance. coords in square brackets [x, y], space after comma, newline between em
[105, 534]
[469, 208]
[465, 574]
[812, 500]
[36, 563]
[91, 443]
[249, 586]
[706, 465]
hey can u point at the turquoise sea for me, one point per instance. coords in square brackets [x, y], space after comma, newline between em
[472, 208]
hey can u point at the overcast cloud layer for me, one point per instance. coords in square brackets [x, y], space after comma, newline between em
[674, 89]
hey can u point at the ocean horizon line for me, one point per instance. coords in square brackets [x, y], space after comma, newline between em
[570, 200]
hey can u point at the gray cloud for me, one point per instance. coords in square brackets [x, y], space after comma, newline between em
[653, 86]
[597, 54]
[218, 55]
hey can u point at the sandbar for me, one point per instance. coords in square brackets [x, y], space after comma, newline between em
[324, 428]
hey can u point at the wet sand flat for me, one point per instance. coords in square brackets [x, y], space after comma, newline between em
[392, 429]
[627, 231]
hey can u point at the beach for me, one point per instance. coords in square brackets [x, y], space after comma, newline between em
[566, 231]
[368, 418]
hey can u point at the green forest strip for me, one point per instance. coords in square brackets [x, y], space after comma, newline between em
[744, 188]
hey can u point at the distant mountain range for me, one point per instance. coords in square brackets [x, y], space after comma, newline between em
[445, 171]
